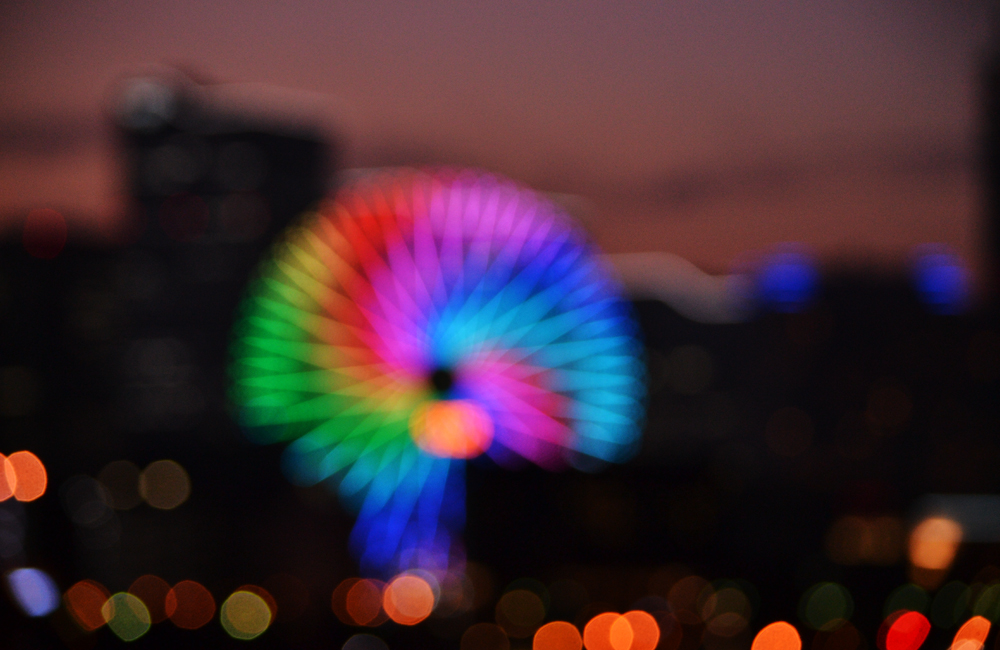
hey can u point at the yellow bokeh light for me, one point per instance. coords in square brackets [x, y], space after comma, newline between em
[164, 484]
[245, 615]
[127, 616]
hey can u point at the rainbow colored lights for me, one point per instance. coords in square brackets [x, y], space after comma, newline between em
[420, 319]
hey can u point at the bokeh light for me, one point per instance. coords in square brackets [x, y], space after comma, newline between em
[451, 428]
[557, 635]
[788, 281]
[908, 597]
[338, 601]
[408, 599]
[907, 631]
[126, 616]
[621, 634]
[988, 602]
[933, 543]
[120, 479]
[245, 615]
[484, 636]
[34, 591]
[519, 612]
[272, 604]
[363, 602]
[825, 606]
[365, 642]
[8, 478]
[645, 632]
[942, 281]
[31, 478]
[688, 596]
[777, 636]
[164, 484]
[597, 631]
[855, 539]
[45, 234]
[189, 605]
[950, 604]
[972, 635]
[84, 601]
[152, 591]
[727, 611]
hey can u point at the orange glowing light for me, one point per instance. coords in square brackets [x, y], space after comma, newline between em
[777, 636]
[189, 605]
[408, 599]
[597, 633]
[84, 601]
[152, 591]
[907, 631]
[645, 630]
[451, 428]
[933, 543]
[8, 479]
[972, 635]
[265, 595]
[338, 602]
[30, 478]
[621, 634]
[363, 602]
[557, 635]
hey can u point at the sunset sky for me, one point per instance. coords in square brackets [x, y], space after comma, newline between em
[706, 129]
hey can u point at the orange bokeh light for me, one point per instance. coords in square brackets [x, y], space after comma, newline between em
[907, 631]
[30, 477]
[8, 479]
[557, 635]
[451, 429]
[84, 601]
[933, 543]
[152, 591]
[645, 630]
[972, 635]
[189, 605]
[363, 602]
[408, 599]
[777, 636]
[621, 634]
[338, 602]
[597, 632]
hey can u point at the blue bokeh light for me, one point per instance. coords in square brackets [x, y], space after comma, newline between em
[941, 281]
[34, 591]
[787, 281]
